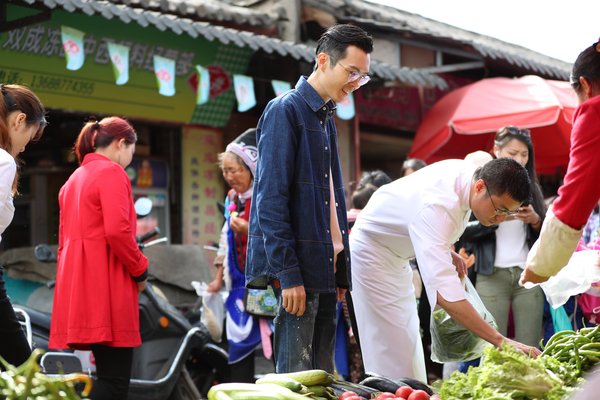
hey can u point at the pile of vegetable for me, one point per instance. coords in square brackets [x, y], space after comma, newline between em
[576, 353]
[28, 382]
[320, 385]
[507, 373]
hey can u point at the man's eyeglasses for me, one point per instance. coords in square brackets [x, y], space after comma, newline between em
[506, 213]
[354, 76]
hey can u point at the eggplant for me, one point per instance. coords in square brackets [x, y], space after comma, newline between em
[340, 387]
[413, 383]
[382, 383]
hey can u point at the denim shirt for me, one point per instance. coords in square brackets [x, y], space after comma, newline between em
[289, 236]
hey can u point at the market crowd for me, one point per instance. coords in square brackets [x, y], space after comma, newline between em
[481, 219]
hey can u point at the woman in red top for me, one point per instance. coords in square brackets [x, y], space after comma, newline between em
[580, 192]
[100, 267]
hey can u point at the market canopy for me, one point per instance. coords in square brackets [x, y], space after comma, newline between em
[467, 118]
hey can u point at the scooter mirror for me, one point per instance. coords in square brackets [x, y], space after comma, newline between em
[143, 206]
[44, 253]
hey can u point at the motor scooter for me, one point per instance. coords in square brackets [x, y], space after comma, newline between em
[177, 360]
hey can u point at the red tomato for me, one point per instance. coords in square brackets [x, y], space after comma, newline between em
[418, 395]
[346, 395]
[399, 398]
[354, 397]
[385, 395]
[404, 391]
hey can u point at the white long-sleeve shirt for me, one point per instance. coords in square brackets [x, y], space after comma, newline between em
[423, 215]
[8, 170]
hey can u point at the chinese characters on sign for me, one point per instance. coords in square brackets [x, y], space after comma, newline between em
[201, 185]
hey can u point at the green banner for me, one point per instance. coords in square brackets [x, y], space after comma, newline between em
[34, 56]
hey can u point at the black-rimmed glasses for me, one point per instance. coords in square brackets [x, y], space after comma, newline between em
[506, 213]
[354, 76]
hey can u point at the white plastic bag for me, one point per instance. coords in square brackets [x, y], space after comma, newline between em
[575, 278]
[450, 341]
[213, 310]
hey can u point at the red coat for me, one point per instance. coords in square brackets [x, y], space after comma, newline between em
[580, 191]
[96, 297]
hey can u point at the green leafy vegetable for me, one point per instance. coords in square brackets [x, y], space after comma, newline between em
[505, 374]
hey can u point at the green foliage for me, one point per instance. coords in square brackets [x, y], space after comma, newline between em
[505, 374]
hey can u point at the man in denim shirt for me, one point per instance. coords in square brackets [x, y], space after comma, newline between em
[298, 238]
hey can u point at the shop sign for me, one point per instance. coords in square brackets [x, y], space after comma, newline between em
[35, 56]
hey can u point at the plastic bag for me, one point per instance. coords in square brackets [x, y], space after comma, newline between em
[560, 319]
[450, 341]
[213, 310]
[575, 278]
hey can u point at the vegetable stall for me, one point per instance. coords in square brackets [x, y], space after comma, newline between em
[505, 373]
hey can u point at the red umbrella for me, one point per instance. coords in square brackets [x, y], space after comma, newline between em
[467, 118]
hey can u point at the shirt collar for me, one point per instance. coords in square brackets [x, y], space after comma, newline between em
[312, 97]
[466, 179]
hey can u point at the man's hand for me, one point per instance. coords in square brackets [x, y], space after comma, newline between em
[469, 258]
[529, 276]
[141, 285]
[459, 263]
[294, 300]
[532, 352]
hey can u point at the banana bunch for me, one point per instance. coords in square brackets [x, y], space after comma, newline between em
[303, 385]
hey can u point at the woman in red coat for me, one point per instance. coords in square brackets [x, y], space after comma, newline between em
[580, 191]
[100, 267]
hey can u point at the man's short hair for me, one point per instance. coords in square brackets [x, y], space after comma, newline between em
[335, 40]
[505, 175]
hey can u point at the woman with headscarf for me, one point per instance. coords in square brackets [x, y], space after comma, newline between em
[244, 331]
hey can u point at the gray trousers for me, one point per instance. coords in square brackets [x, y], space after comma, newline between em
[500, 291]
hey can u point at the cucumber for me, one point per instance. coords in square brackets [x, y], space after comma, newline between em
[255, 395]
[281, 380]
[311, 377]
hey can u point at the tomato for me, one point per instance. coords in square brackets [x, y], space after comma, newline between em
[385, 395]
[399, 398]
[353, 397]
[404, 391]
[347, 394]
[418, 395]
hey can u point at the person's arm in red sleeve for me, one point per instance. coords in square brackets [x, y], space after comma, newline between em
[577, 197]
[117, 205]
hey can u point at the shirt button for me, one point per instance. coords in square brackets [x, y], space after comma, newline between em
[327, 230]
[326, 202]
[325, 175]
[321, 122]
[343, 232]
[336, 204]
[324, 108]
[326, 147]
[331, 260]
